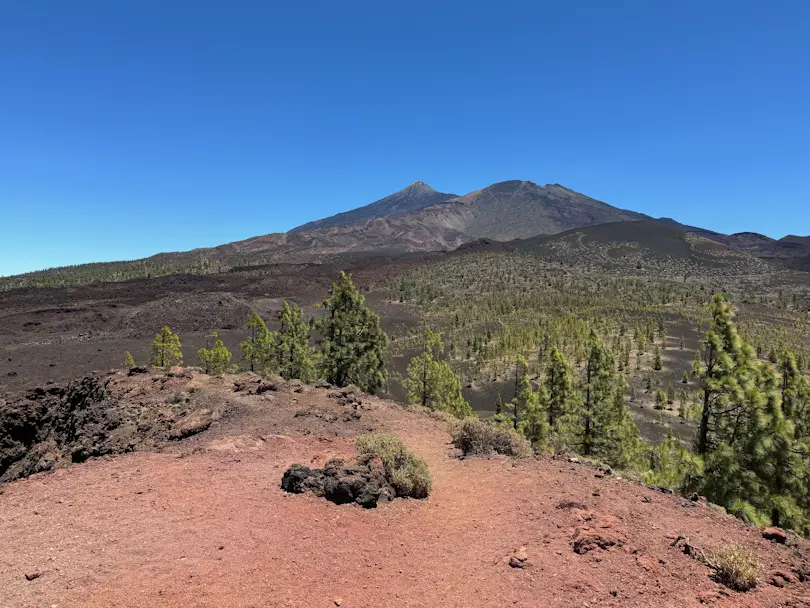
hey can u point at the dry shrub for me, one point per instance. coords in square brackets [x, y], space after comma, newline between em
[736, 567]
[476, 437]
[406, 471]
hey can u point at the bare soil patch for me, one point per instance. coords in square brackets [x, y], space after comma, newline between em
[203, 521]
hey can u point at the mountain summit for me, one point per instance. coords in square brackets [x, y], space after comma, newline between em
[415, 197]
[519, 209]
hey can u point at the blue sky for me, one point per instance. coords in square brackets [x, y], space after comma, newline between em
[129, 128]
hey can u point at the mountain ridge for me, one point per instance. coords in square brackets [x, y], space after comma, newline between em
[417, 218]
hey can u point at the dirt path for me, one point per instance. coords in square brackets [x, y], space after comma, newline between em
[209, 526]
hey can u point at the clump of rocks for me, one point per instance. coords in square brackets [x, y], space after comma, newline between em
[385, 469]
[341, 483]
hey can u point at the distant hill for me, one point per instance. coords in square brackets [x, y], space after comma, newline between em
[796, 240]
[412, 198]
[641, 246]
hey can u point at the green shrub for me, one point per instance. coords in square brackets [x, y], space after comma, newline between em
[476, 437]
[736, 567]
[406, 471]
[351, 389]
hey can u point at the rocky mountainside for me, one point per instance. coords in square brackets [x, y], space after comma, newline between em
[412, 198]
[504, 211]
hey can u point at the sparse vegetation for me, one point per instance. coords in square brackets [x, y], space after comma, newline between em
[432, 383]
[407, 472]
[736, 567]
[129, 362]
[476, 437]
[214, 359]
[293, 354]
[257, 347]
[166, 351]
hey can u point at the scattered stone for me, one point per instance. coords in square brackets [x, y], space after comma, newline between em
[519, 559]
[247, 384]
[338, 601]
[708, 597]
[573, 459]
[32, 575]
[195, 422]
[776, 535]
[646, 499]
[587, 539]
[780, 578]
[269, 385]
[647, 563]
[571, 504]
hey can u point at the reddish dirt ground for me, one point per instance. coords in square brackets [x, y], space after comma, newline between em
[204, 522]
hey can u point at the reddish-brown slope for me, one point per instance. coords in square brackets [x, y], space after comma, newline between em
[204, 523]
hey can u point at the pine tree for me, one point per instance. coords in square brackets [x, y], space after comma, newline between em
[659, 364]
[794, 388]
[129, 362]
[500, 418]
[215, 358]
[431, 382]
[292, 352]
[353, 346]
[662, 332]
[421, 384]
[166, 351]
[257, 346]
[521, 379]
[559, 387]
[751, 464]
[725, 373]
[597, 393]
[603, 426]
[534, 424]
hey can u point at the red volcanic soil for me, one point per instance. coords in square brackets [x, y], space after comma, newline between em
[203, 522]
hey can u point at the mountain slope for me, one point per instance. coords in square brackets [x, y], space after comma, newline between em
[642, 246]
[412, 198]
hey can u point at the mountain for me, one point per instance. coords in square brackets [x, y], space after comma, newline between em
[520, 209]
[412, 220]
[412, 198]
[504, 211]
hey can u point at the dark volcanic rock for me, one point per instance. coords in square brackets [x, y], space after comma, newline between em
[340, 483]
[56, 425]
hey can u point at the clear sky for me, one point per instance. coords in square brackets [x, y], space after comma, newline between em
[129, 128]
